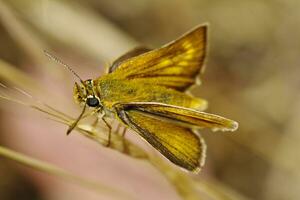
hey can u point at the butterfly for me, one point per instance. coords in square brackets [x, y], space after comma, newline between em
[146, 91]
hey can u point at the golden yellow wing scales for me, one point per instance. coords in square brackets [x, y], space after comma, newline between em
[178, 144]
[176, 65]
[179, 115]
[132, 53]
[169, 129]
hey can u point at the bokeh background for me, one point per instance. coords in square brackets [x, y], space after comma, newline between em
[252, 76]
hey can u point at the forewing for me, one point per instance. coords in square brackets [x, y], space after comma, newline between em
[132, 53]
[178, 144]
[175, 65]
[181, 116]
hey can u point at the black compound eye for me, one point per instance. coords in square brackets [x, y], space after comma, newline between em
[92, 101]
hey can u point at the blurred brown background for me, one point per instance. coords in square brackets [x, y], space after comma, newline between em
[252, 76]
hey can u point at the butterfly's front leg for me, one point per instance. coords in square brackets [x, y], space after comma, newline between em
[109, 130]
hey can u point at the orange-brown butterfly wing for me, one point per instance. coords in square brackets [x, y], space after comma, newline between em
[178, 144]
[175, 65]
[169, 129]
[132, 53]
[181, 116]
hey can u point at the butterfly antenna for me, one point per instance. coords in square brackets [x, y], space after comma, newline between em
[52, 57]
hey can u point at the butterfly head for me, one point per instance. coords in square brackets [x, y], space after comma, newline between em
[84, 92]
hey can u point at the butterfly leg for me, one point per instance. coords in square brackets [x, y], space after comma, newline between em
[109, 130]
[97, 111]
[118, 128]
[121, 133]
[94, 124]
[124, 132]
